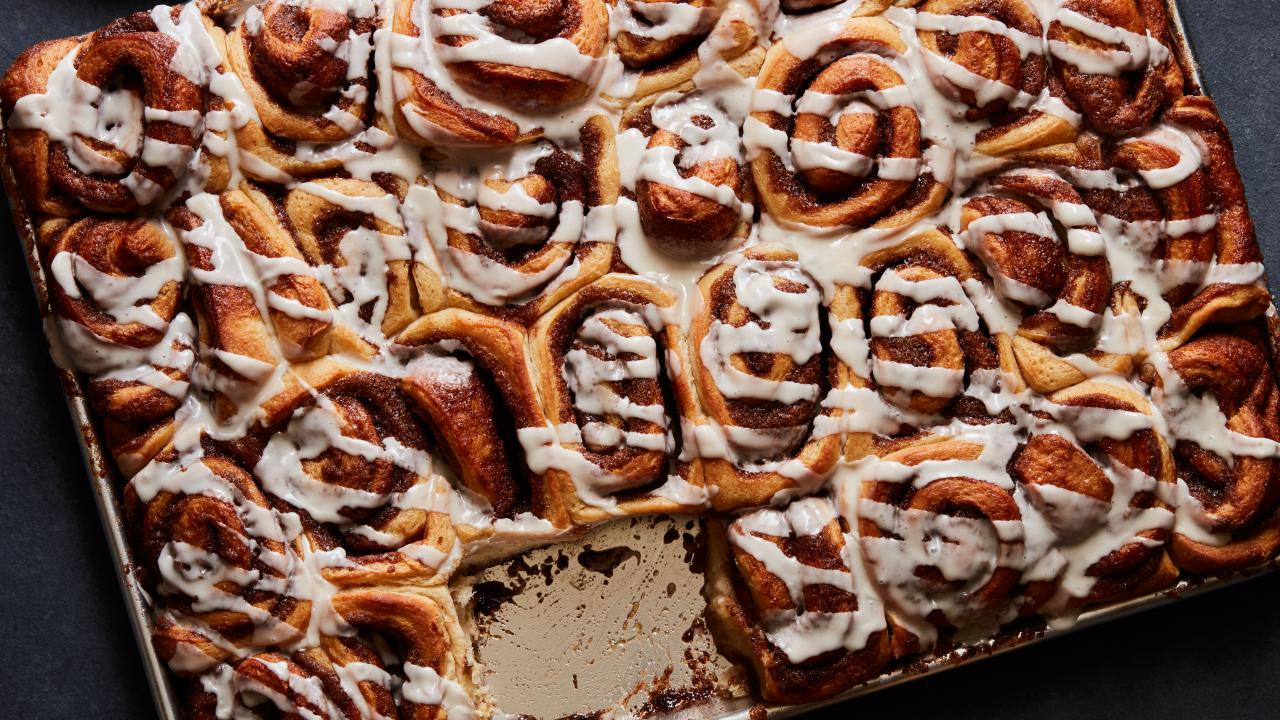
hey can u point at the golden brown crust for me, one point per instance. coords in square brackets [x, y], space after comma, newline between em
[469, 378]
[28, 149]
[670, 63]
[324, 213]
[229, 322]
[304, 331]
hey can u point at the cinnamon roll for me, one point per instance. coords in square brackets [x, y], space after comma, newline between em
[664, 44]
[223, 563]
[1207, 252]
[1114, 60]
[239, 358]
[29, 147]
[949, 313]
[298, 304]
[1219, 398]
[1041, 246]
[306, 76]
[787, 594]
[943, 534]
[434, 657]
[693, 193]
[109, 122]
[468, 377]
[613, 370]
[990, 57]
[341, 448]
[115, 291]
[518, 231]
[1179, 243]
[492, 72]
[1098, 478]
[929, 350]
[345, 679]
[762, 372]
[350, 674]
[834, 135]
[352, 231]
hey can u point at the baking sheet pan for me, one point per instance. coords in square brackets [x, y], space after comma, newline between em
[104, 489]
[102, 476]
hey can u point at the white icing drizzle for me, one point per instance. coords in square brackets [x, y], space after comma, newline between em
[801, 633]
[558, 229]
[958, 313]
[425, 686]
[787, 324]
[596, 376]
[591, 380]
[1138, 50]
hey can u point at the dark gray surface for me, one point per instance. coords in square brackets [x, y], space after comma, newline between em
[66, 643]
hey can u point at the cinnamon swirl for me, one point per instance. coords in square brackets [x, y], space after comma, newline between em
[341, 449]
[135, 343]
[379, 277]
[837, 142]
[612, 367]
[762, 373]
[1041, 245]
[786, 592]
[307, 78]
[943, 534]
[220, 558]
[109, 122]
[348, 674]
